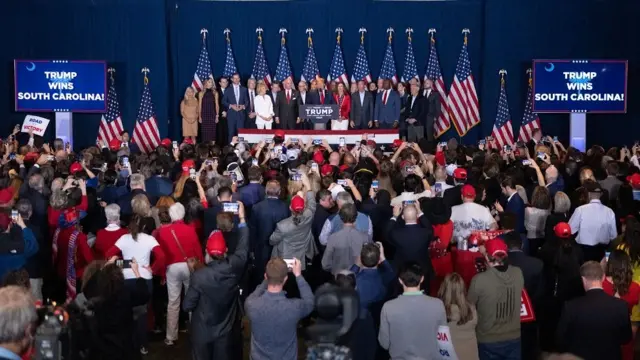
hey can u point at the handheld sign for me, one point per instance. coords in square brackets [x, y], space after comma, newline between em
[445, 344]
[36, 124]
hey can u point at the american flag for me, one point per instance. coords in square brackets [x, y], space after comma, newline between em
[388, 70]
[145, 133]
[530, 120]
[463, 98]
[111, 122]
[230, 62]
[410, 69]
[283, 70]
[203, 71]
[361, 68]
[260, 69]
[435, 74]
[337, 72]
[502, 129]
[310, 69]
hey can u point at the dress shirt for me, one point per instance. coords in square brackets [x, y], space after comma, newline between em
[594, 223]
[274, 95]
[413, 100]
[362, 98]
[427, 92]
[236, 91]
[303, 95]
[263, 107]
[6, 354]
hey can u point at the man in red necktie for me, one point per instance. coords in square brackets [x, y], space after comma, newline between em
[386, 113]
[286, 106]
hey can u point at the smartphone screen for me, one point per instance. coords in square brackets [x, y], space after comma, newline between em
[317, 141]
[289, 263]
[526, 162]
[123, 264]
[408, 202]
[296, 177]
[294, 140]
[342, 142]
[375, 185]
[175, 144]
[482, 142]
[437, 187]
[555, 139]
[230, 207]
[314, 166]
[192, 174]
[342, 182]
[443, 144]
[240, 139]
[14, 215]
[254, 162]
[408, 169]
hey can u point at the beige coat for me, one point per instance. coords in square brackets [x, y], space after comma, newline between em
[464, 336]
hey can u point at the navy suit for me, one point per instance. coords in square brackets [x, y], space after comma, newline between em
[387, 113]
[235, 119]
[516, 206]
[313, 97]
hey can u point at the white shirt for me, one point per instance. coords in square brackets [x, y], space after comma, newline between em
[263, 107]
[594, 223]
[427, 92]
[413, 100]
[274, 95]
[409, 196]
[303, 95]
[139, 249]
[362, 98]
[469, 217]
[236, 91]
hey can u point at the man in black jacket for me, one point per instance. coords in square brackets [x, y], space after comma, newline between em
[596, 325]
[39, 265]
[214, 298]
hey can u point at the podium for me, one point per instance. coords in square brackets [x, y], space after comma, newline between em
[319, 115]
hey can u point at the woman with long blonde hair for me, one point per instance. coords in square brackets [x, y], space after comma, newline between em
[190, 111]
[462, 317]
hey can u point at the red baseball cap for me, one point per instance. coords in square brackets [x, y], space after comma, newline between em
[634, 181]
[344, 167]
[372, 144]
[326, 169]
[216, 245]
[188, 141]
[495, 246]
[297, 203]
[396, 143]
[114, 144]
[318, 157]
[31, 156]
[468, 192]
[460, 173]
[186, 165]
[75, 168]
[562, 230]
[166, 142]
[279, 133]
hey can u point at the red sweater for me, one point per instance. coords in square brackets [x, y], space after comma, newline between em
[84, 256]
[188, 239]
[105, 240]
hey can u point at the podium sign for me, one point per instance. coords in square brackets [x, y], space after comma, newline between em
[319, 113]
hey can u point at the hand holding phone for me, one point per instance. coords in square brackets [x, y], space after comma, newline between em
[231, 207]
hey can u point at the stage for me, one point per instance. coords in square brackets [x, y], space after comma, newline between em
[381, 137]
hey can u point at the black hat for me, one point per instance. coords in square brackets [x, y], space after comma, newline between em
[436, 211]
[592, 186]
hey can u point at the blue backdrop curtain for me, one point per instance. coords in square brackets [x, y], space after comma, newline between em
[165, 36]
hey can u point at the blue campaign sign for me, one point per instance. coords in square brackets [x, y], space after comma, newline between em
[595, 86]
[60, 85]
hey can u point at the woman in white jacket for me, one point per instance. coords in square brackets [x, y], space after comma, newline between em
[263, 107]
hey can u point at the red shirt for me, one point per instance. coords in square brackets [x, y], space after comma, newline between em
[188, 239]
[631, 297]
[105, 240]
[83, 256]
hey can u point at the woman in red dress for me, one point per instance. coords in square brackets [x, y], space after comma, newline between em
[619, 283]
[439, 216]
[343, 99]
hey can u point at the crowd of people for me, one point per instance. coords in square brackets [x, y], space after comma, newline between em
[212, 239]
[218, 112]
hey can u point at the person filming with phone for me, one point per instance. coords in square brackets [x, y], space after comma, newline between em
[17, 245]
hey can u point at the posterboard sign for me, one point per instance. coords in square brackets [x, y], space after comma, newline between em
[60, 85]
[319, 113]
[571, 86]
[445, 344]
[36, 124]
[526, 309]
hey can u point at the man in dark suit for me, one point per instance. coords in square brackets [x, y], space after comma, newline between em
[432, 108]
[413, 112]
[286, 106]
[410, 237]
[596, 325]
[236, 100]
[513, 203]
[320, 96]
[250, 123]
[534, 284]
[453, 196]
[386, 114]
[303, 96]
[536, 139]
[275, 89]
[361, 116]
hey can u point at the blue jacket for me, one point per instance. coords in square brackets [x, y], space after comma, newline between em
[229, 98]
[251, 194]
[9, 262]
[157, 186]
[516, 206]
[371, 284]
[389, 112]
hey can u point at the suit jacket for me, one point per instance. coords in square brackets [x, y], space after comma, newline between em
[432, 112]
[313, 97]
[516, 206]
[410, 243]
[452, 196]
[304, 101]
[389, 112]
[594, 326]
[417, 111]
[612, 185]
[532, 272]
[229, 99]
[361, 113]
[286, 111]
[345, 108]
[265, 215]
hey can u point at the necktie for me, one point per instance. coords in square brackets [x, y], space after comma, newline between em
[384, 97]
[413, 99]
[237, 92]
[322, 97]
[252, 99]
[288, 96]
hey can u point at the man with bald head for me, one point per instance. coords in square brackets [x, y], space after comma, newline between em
[410, 233]
[286, 106]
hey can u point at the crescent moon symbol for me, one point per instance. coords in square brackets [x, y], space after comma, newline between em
[550, 67]
[31, 66]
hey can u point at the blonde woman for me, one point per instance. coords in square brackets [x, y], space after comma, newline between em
[209, 108]
[189, 109]
[264, 108]
[462, 317]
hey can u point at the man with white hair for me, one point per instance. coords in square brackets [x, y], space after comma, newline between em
[179, 243]
[137, 185]
[18, 319]
[334, 223]
[286, 106]
[106, 238]
[554, 182]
